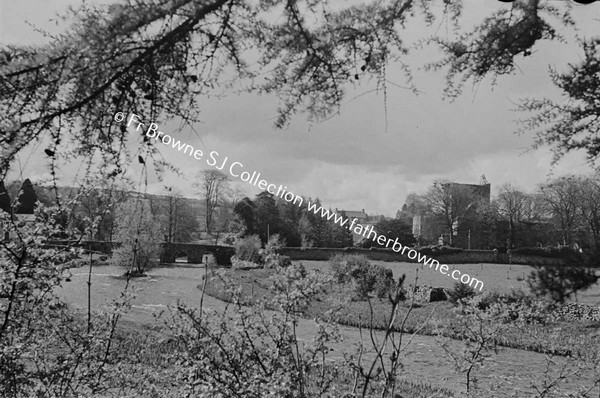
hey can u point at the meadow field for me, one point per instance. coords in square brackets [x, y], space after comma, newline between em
[501, 278]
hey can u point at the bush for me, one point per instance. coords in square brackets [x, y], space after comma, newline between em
[437, 294]
[342, 265]
[488, 299]
[223, 255]
[274, 244]
[560, 283]
[384, 281]
[237, 263]
[248, 249]
[269, 254]
[285, 261]
[516, 306]
[368, 277]
[459, 292]
[274, 260]
[364, 277]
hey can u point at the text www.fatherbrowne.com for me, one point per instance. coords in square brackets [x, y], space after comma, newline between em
[235, 169]
[370, 233]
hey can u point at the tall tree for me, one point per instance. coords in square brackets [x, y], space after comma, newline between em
[138, 233]
[397, 228]
[213, 185]
[341, 235]
[305, 230]
[290, 215]
[319, 230]
[26, 198]
[177, 217]
[511, 205]
[268, 220]
[4, 198]
[562, 196]
[589, 206]
[245, 210]
[450, 204]
[99, 204]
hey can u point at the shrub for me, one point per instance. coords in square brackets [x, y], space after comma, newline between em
[269, 254]
[240, 264]
[223, 254]
[274, 244]
[437, 294]
[274, 260]
[364, 277]
[248, 248]
[459, 292]
[285, 261]
[342, 264]
[516, 306]
[368, 277]
[486, 300]
[384, 281]
[560, 283]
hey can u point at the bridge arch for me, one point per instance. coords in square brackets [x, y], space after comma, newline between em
[195, 252]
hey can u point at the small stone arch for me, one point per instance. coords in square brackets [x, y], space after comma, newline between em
[182, 254]
[195, 253]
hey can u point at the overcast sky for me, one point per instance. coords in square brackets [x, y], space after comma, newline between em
[351, 161]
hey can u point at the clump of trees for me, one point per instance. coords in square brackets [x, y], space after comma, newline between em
[267, 215]
[24, 198]
[561, 212]
[394, 228]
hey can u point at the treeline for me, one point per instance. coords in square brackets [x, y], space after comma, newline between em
[268, 215]
[562, 212]
[95, 211]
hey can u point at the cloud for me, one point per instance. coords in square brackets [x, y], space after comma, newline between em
[378, 148]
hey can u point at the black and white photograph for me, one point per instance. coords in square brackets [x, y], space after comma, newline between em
[300, 198]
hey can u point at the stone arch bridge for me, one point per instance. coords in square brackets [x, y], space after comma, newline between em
[168, 253]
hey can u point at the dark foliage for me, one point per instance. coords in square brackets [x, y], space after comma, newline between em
[369, 278]
[437, 294]
[560, 283]
[245, 209]
[552, 252]
[393, 229]
[26, 198]
[459, 292]
[223, 255]
[4, 198]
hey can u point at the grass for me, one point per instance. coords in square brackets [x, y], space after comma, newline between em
[149, 364]
[154, 364]
[565, 338]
